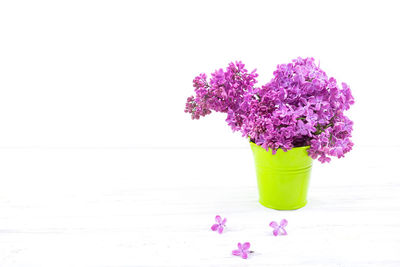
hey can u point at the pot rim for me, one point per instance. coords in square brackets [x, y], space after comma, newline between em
[297, 147]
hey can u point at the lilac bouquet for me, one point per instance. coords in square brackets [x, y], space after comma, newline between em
[300, 106]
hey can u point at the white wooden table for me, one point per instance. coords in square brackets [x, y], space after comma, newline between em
[154, 207]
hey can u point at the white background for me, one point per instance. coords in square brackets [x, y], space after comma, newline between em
[117, 73]
[100, 166]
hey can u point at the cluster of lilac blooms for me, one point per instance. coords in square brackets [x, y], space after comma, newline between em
[300, 106]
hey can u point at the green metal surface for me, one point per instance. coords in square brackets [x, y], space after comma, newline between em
[282, 178]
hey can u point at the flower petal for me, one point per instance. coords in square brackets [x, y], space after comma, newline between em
[273, 224]
[223, 221]
[214, 227]
[236, 252]
[218, 219]
[284, 222]
[276, 232]
[220, 229]
[283, 231]
[246, 246]
[240, 246]
[244, 255]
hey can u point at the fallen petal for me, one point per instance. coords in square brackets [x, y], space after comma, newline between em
[246, 246]
[236, 252]
[276, 232]
[214, 227]
[223, 221]
[283, 231]
[273, 224]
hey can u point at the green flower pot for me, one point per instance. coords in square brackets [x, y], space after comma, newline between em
[282, 178]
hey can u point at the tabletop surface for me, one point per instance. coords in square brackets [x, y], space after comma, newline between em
[154, 207]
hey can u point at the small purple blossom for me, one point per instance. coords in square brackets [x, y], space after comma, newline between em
[304, 128]
[243, 250]
[300, 106]
[279, 229]
[220, 225]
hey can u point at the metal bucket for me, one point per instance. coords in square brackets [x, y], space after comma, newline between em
[282, 178]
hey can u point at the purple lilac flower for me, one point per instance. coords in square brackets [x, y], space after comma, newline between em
[279, 229]
[243, 250]
[300, 106]
[220, 225]
[305, 128]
